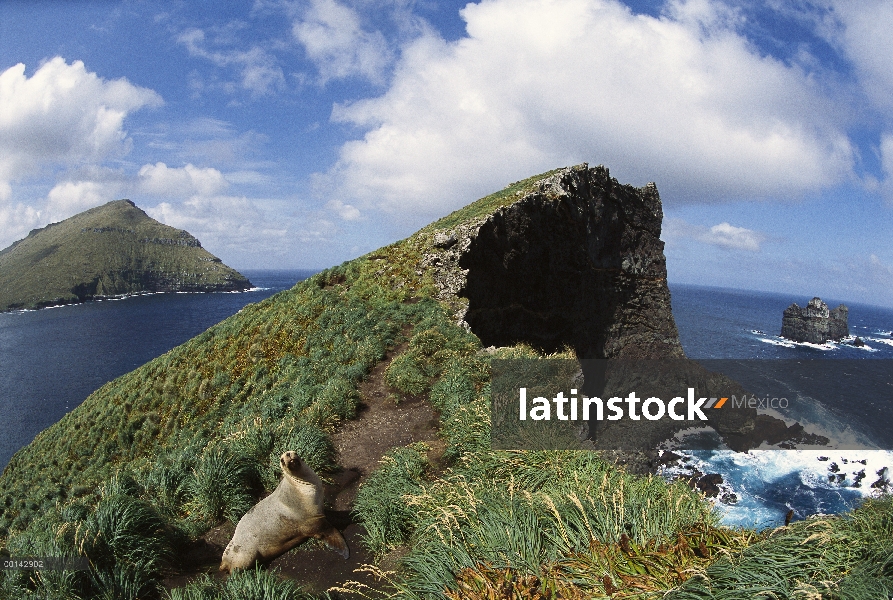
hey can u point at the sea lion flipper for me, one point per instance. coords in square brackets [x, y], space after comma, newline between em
[333, 540]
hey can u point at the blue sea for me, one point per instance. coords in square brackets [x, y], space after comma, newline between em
[52, 359]
[765, 484]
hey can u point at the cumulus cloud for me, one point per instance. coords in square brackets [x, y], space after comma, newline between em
[334, 39]
[734, 238]
[71, 197]
[63, 115]
[15, 221]
[82, 188]
[682, 100]
[161, 180]
[723, 235]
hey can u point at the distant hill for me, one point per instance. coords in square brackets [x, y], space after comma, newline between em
[109, 250]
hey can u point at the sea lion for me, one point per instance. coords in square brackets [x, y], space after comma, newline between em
[284, 519]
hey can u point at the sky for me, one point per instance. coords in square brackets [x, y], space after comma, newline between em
[302, 134]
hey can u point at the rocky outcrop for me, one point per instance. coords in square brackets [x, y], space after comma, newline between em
[814, 323]
[576, 260]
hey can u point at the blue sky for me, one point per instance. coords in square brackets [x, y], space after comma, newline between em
[302, 134]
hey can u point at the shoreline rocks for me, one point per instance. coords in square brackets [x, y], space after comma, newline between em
[815, 323]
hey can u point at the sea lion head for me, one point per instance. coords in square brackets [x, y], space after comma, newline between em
[291, 462]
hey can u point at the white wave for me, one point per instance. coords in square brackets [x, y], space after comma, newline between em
[748, 474]
[881, 341]
[824, 347]
[779, 342]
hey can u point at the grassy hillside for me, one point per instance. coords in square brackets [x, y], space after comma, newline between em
[162, 454]
[105, 251]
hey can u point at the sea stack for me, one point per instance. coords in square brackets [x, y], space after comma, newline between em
[815, 323]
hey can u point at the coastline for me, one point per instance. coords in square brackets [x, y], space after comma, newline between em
[115, 297]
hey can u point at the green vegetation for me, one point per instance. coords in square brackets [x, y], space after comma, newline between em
[106, 251]
[489, 204]
[245, 585]
[162, 454]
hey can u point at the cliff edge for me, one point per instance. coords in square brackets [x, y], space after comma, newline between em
[573, 260]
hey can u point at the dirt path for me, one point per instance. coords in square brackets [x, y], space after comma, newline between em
[381, 424]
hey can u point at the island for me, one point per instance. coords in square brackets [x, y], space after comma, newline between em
[112, 250]
[378, 373]
[815, 323]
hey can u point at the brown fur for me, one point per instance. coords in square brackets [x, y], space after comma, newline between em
[284, 519]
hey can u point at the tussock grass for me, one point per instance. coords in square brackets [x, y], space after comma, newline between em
[522, 510]
[381, 503]
[221, 485]
[252, 584]
[128, 543]
[848, 556]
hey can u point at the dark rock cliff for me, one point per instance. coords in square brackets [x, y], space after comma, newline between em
[578, 261]
[575, 260]
[815, 323]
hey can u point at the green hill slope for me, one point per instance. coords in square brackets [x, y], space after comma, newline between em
[161, 455]
[107, 251]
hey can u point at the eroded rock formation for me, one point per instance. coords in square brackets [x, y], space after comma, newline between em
[576, 261]
[815, 323]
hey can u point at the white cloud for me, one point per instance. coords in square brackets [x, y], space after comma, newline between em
[225, 222]
[682, 100]
[723, 235]
[259, 71]
[71, 197]
[84, 188]
[345, 211]
[862, 31]
[15, 221]
[334, 39]
[63, 115]
[161, 180]
[734, 238]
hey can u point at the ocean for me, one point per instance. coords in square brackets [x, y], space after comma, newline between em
[52, 359]
[765, 484]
